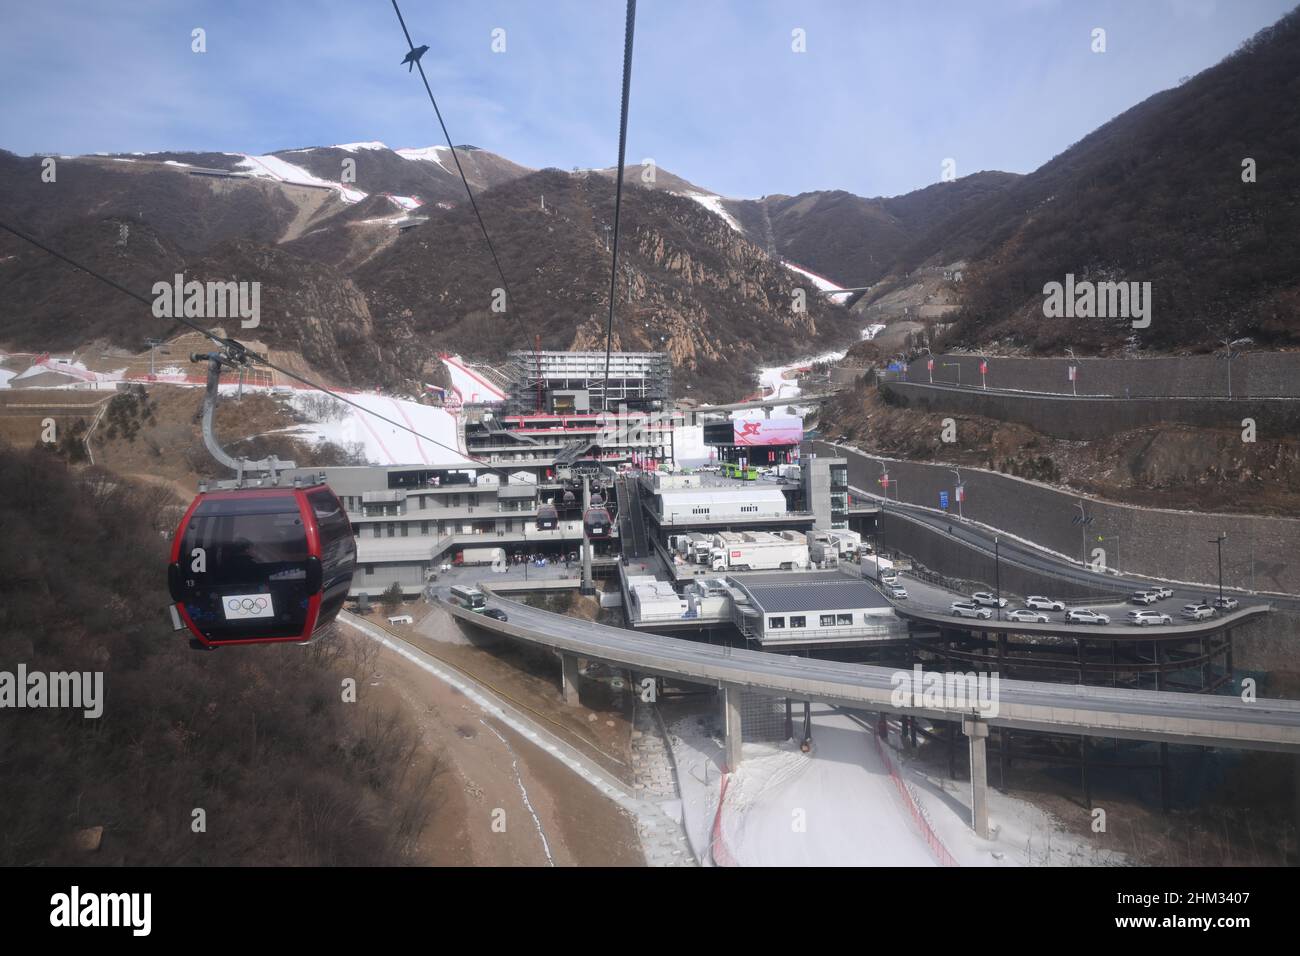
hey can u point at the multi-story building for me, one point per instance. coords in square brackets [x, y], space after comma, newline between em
[826, 490]
[410, 519]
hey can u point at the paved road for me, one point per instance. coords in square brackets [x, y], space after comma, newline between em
[1104, 711]
[925, 599]
[1033, 558]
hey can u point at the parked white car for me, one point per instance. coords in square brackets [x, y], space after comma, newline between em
[1198, 612]
[1143, 597]
[1040, 603]
[970, 609]
[1028, 616]
[1084, 615]
[1164, 592]
[984, 599]
[1226, 604]
[1146, 618]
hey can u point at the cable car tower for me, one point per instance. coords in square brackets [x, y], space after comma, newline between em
[235, 357]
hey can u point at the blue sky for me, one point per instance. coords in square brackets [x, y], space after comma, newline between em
[885, 92]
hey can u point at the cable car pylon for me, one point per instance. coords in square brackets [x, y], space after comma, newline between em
[236, 359]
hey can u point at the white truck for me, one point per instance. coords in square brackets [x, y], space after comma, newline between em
[759, 551]
[823, 549]
[876, 568]
[693, 547]
[849, 542]
[470, 556]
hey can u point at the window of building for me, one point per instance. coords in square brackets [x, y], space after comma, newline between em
[828, 620]
[392, 529]
[776, 623]
[798, 621]
[424, 527]
[370, 569]
[404, 529]
[844, 620]
[375, 529]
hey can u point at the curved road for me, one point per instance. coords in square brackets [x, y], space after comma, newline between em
[1030, 705]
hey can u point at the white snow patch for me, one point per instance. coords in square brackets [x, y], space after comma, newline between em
[713, 203]
[468, 385]
[428, 154]
[385, 443]
[173, 162]
[275, 168]
[353, 147]
[404, 202]
[835, 806]
[821, 282]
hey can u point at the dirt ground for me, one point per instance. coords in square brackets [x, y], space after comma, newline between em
[488, 762]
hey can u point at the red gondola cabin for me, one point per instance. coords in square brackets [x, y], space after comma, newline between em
[261, 565]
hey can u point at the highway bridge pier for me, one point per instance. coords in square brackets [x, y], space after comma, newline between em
[977, 731]
[735, 738]
[569, 677]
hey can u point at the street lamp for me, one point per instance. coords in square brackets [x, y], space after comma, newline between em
[959, 492]
[1228, 355]
[1083, 521]
[1223, 536]
[997, 575]
[929, 363]
[1074, 388]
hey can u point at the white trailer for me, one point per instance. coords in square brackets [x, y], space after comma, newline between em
[874, 567]
[759, 551]
[850, 543]
[471, 556]
[823, 549]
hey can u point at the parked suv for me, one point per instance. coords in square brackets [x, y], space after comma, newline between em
[1226, 604]
[1040, 603]
[970, 609]
[1146, 618]
[984, 599]
[1198, 612]
[1083, 615]
[1143, 597]
[1163, 592]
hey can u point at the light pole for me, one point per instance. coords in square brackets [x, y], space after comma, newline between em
[997, 575]
[929, 363]
[1074, 387]
[1228, 355]
[1223, 536]
[1083, 521]
[959, 493]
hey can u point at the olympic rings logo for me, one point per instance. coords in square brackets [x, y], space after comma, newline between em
[247, 605]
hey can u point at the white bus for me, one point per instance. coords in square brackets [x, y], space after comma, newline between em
[470, 598]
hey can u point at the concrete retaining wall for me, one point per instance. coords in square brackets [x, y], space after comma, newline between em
[954, 559]
[1255, 374]
[1086, 419]
[1260, 553]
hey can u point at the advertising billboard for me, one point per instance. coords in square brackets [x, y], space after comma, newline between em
[768, 431]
